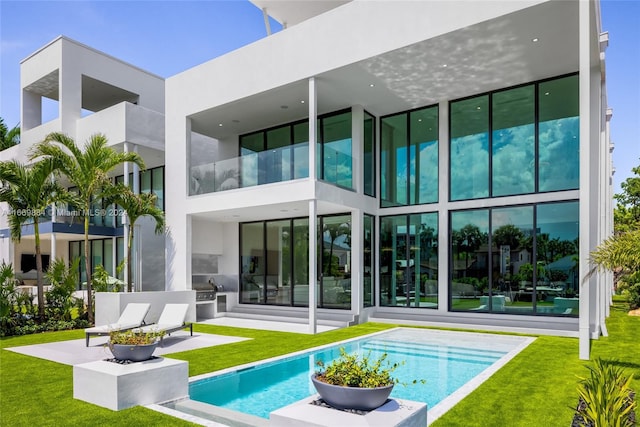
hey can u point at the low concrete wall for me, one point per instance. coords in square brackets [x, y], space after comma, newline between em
[109, 305]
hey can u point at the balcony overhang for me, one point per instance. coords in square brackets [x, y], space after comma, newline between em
[530, 44]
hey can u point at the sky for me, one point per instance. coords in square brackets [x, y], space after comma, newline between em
[168, 37]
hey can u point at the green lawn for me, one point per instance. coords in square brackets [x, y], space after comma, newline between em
[537, 388]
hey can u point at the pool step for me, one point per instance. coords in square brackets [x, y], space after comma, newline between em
[220, 415]
[434, 352]
[292, 315]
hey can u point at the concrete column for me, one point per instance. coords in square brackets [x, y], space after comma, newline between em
[443, 215]
[313, 264]
[357, 266]
[313, 113]
[53, 234]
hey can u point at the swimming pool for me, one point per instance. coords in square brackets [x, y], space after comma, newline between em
[450, 362]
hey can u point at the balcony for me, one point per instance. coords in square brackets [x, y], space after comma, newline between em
[265, 167]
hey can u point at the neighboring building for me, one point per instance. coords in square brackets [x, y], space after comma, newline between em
[434, 127]
[454, 146]
[89, 92]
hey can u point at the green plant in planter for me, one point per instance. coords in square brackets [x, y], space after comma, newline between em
[133, 337]
[351, 370]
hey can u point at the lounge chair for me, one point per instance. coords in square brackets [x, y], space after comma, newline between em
[171, 319]
[132, 317]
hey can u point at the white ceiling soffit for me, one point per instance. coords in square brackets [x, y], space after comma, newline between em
[292, 12]
[490, 55]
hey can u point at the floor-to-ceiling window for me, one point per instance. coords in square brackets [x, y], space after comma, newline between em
[100, 253]
[274, 257]
[369, 148]
[335, 149]
[409, 157]
[368, 235]
[516, 259]
[515, 141]
[409, 260]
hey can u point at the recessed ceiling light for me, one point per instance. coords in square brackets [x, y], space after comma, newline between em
[546, 93]
[419, 120]
[535, 40]
[220, 124]
[302, 102]
[444, 65]
[478, 108]
[371, 85]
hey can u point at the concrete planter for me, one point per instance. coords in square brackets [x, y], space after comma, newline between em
[364, 399]
[134, 353]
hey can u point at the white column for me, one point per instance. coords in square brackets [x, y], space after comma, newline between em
[357, 266]
[588, 192]
[135, 250]
[313, 113]
[313, 207]
[313, 264]
[443, 214]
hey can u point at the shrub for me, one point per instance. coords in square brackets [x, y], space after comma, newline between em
[349, 370]
[607, 397]
[64, 280]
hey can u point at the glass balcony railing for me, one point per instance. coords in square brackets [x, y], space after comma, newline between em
[264, 167]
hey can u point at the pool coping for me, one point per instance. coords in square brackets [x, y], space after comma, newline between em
[432, 413]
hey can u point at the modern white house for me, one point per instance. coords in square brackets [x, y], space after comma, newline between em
[71, 88]
[410, 162]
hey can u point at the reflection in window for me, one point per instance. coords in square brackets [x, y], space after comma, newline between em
[409, 260]
[469, 149]
[336, 149]
[369, 143]
[335, 262]
[512, 251]
[409, 158]
[469, 260]
[513, 143]
[559, 134]
[368, 261]
[557, 257]
[525, 272]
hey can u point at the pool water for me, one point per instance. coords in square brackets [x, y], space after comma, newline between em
[445, 360]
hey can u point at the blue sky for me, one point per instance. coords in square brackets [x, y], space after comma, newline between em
[167, 37]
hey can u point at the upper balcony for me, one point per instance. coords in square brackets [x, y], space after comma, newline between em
[267, 167]
[124, 122]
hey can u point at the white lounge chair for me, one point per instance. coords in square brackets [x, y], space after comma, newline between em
[171, 319]
[132, 317]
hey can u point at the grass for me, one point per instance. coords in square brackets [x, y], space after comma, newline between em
[537, 388]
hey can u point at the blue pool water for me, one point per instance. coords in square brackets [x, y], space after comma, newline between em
[446, 360]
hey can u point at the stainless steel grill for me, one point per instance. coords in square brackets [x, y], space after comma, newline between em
[205, 291]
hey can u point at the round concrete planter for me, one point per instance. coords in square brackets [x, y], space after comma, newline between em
[364, 399]
[134, 353]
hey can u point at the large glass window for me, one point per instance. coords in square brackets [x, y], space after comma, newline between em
[469, 260]
[497, 147]
[336, 149]
[525, 271]
[368, 261]
[369, 143]
[335, 262]
[559, 134]
[513, 141]
[409, 157]
[274, 258]
[469, 150]
[409, 260]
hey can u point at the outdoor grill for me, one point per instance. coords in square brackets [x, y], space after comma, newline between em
[206, 291]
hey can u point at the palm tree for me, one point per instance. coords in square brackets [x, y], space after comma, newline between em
[29, 191]
[88, 171]
[136, 206]
[8, 138]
